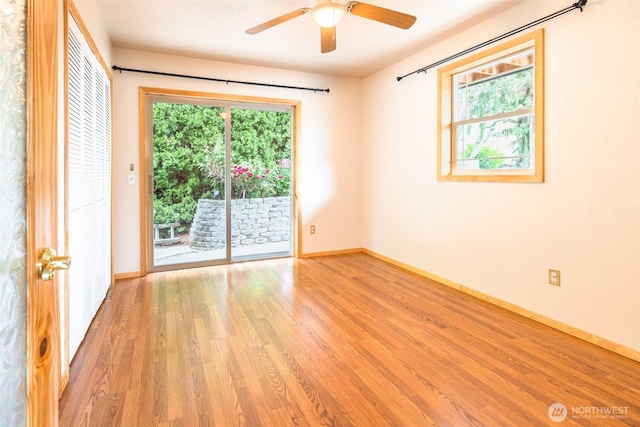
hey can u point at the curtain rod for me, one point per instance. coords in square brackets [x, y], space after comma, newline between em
[186, 76]
[577, 5]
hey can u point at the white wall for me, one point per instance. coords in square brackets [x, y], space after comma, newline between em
[500, 239]
[329, 148]
[88, 10]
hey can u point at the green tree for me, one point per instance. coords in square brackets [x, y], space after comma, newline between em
[489, 158]
[499, 95]
[260, 155]
[189, 156]
[182, 134]
[260, 138]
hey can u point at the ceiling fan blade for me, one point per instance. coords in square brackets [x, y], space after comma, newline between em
[327, 39]
[278, 20]
[380, 14]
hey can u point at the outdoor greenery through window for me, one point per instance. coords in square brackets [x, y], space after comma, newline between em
[491, 114]
[189, 157]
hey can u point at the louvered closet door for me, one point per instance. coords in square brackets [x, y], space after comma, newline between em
[89, 185]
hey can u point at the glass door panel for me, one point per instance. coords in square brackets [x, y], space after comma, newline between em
[189, 211]
[221, 183]
[261, 182]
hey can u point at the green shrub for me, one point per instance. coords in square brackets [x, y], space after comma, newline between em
[189, 157]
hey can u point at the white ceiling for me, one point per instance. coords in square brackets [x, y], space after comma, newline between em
[215, 29]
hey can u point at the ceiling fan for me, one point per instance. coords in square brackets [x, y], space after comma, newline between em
[327, 14]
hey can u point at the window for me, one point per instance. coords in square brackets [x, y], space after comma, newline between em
[491, 114]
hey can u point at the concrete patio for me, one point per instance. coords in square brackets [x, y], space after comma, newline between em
[181, 254]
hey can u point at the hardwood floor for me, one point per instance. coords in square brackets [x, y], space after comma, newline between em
[341, 340]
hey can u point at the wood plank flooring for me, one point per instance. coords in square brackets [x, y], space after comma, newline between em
[344, 340]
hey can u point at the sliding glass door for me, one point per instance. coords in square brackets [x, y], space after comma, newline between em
[221, 182]
[261, 207]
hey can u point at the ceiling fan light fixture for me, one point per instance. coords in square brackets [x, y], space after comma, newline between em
[327, 14]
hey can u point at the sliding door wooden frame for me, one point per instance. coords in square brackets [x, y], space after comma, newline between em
[145, 128]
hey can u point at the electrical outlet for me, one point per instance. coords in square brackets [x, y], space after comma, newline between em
[312, 229]
[554, 277]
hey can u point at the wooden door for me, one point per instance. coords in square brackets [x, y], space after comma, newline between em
[43, 342]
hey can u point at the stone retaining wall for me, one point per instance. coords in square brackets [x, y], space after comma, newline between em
[253, 222]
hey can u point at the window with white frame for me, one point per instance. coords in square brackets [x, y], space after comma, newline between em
[491, 115]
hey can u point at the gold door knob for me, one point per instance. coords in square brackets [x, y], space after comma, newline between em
[48, 263]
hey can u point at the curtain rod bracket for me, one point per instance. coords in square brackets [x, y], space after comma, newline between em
[577, 5]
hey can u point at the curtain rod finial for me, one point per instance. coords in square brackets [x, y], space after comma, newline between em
[577, 5]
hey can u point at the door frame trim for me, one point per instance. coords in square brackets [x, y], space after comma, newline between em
[144, 128]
